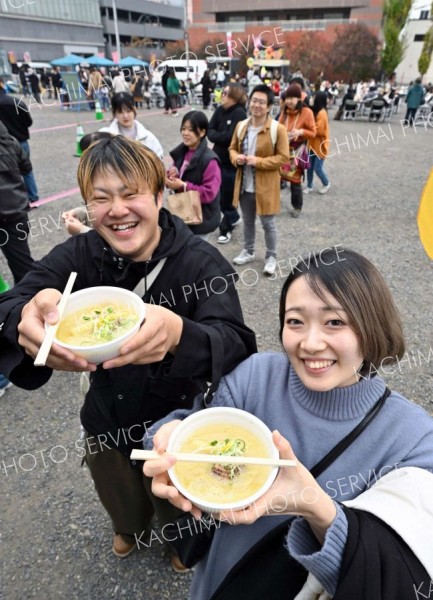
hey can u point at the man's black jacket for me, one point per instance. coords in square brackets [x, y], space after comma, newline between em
[196, 282]
[221, 128]
[14, 163]
[15, 116]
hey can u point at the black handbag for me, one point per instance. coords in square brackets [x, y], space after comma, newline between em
[191, 539]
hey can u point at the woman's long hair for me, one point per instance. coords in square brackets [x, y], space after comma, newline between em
[320, 102]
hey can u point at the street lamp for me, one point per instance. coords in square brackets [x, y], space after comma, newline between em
[185, 35]
[116, 29]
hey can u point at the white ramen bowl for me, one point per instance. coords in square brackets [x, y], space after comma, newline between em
[222, 416]
[103, 295]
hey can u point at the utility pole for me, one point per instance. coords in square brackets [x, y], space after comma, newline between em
[116, 29]
[185, 35]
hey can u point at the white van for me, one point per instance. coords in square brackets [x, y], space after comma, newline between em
[196, 69]
[38, 67]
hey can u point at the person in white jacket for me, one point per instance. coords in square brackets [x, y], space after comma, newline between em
[254, 80]
[125, 123]
[119, 83]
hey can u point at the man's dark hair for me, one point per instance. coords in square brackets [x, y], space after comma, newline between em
[88, 139]
[264, 89]
[121, 101]
[299, 80]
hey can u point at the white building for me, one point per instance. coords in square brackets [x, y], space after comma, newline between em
[419, 22]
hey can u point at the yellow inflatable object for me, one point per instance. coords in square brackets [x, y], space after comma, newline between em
[425, 217]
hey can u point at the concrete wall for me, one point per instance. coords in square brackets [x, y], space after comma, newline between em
[46, 41]
[407, 70]
[83, 11]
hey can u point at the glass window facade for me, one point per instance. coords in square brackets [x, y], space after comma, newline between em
[81, 11]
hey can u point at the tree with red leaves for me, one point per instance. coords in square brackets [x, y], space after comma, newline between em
[355, 53]
[308, 53]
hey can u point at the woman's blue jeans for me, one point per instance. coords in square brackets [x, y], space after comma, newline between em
[29, 179]
[316, 167]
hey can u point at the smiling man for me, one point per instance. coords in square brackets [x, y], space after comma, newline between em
[258, 149]
[193, 332]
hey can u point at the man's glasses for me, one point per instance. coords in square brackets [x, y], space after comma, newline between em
[259, 102]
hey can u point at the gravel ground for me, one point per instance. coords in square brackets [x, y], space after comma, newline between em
[55, 536]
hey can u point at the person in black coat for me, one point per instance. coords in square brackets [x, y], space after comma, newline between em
[206, 89]
[193, 333]
[164, 80]
[46, 82]
[14, 206]
[221, 128]
[34, 85]
[15, 116]
[57, 80]
[24, 82]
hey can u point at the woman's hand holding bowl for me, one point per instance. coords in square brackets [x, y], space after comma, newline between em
[158, 469]
[294, 492]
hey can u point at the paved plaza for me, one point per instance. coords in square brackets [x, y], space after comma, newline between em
[55, 536]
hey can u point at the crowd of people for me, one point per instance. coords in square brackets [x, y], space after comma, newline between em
[149, 87]
[337, 323]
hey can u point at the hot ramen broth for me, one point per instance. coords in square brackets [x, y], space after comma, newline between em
[222, 484]
[97, 324]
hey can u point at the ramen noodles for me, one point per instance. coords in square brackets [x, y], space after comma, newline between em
[97, 324]
[222, 483]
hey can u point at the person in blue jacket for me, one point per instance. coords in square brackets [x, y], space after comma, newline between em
[414, 99]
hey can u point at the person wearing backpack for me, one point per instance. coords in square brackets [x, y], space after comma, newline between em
[258, 149]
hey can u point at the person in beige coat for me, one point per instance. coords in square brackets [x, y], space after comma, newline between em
[258, 149]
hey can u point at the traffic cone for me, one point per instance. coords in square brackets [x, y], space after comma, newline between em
[79, 134]
[4, 286]
[98, 112]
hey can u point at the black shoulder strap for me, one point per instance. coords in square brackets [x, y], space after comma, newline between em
[333, 454]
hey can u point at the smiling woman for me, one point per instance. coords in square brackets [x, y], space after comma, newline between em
[337, 319]
[197, 168]
[318, 339]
